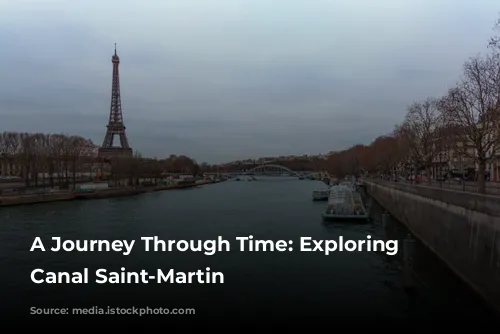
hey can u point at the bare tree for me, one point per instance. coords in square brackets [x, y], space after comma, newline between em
[51, 143]
[77, 146]
[57, 152]
[135, 169]
[403, 150]
[494, 42]
[420, 130]
[38, 156]
[12, 147]
[26, 156]
[472, 107]
[495, 73]
[3, 144]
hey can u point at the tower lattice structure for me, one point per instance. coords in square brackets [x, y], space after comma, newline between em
[116, 126]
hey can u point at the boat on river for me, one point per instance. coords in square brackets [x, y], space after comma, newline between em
[345, 203]
[321, 195]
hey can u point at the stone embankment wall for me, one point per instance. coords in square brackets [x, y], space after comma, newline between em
[35, 199]
[462, 228]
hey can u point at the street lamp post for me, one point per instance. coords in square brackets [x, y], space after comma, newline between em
[463, 177]
[440, 170]
[412, 179]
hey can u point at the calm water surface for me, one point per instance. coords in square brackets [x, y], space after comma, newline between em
[272, 284]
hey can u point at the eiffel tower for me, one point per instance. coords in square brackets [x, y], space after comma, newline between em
[115, 125]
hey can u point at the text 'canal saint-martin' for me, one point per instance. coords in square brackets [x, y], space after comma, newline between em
[207, 247]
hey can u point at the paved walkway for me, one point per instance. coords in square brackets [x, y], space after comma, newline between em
[492, 188]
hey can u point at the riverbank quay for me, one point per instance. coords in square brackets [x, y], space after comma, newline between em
[36, 199]
[461, 228]
[67, 195]
[491, 188]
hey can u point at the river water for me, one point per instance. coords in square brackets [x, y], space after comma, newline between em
[258, 285]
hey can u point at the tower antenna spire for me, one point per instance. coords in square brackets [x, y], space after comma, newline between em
[115, 49]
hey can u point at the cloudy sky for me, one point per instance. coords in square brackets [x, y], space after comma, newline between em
[227, 79]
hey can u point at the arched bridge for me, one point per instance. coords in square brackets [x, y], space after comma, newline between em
[271, 169]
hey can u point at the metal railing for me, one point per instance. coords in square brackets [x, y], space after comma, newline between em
[492, 188]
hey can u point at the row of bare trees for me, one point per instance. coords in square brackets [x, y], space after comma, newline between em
[464, 124]
[58, 159]
[131, 170]
[55, 158]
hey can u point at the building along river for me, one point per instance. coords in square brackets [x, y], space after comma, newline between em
[257, 285]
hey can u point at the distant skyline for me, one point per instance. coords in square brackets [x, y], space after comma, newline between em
[225, 80]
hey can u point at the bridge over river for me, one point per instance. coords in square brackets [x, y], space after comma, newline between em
[272, 170]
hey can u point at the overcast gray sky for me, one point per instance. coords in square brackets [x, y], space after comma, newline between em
[228, 79]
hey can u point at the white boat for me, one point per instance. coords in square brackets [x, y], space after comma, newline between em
[345, 203]
[321, 195]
